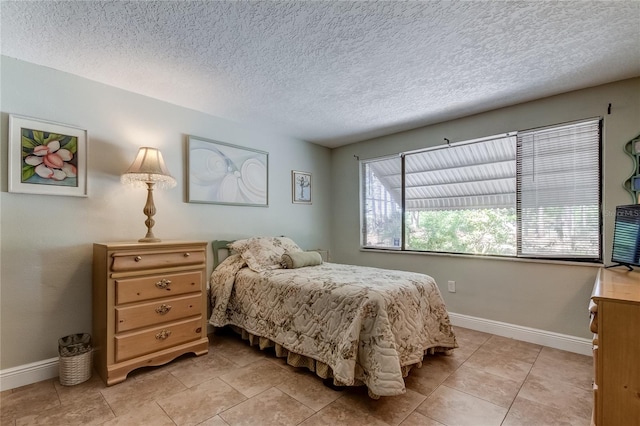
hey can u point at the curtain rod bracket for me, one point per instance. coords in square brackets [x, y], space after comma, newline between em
[609, 109]
[448, 143]
[356, 157]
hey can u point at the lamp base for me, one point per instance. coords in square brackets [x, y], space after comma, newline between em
[149, 240]
[149, 210]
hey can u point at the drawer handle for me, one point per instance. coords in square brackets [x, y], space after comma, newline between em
[187, 254]
[163, 283]
[137, 258]
[163, 335]
[163, 309]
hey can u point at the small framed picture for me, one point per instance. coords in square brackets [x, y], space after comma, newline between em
[301, 187]
[46, 158]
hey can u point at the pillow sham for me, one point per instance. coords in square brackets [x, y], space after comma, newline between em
[301, 259]
[264, 253]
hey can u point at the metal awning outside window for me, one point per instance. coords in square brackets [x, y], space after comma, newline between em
[478, 174]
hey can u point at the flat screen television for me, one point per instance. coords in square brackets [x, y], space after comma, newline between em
[626, 236]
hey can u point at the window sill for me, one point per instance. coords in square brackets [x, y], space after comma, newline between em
[482, 257]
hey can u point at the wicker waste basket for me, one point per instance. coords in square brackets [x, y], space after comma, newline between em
[75, 358]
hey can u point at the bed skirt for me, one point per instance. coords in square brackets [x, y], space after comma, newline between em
[321, 369]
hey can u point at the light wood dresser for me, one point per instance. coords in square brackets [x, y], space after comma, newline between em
[149, 305]
[615, 320]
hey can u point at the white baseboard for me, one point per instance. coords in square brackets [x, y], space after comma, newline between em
[532, 335]
[48, 369]
[27, 374]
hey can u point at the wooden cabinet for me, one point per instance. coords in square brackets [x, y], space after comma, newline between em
[615, 320]
[149, 305]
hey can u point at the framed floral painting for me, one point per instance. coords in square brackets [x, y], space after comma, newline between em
[46, 157]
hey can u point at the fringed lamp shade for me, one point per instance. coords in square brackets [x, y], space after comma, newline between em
[149, 169]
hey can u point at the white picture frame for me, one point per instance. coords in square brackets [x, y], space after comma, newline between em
[46, 157]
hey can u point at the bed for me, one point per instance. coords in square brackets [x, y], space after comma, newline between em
[351, 325]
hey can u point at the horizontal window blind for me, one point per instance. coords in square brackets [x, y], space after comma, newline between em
[558, 191]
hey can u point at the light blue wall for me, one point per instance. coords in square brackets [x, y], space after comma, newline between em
[46, 241]
[550, 297]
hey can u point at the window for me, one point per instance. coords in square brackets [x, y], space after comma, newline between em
[382, 202]
[534, 193]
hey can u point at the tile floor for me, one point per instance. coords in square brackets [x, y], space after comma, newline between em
[489, 380]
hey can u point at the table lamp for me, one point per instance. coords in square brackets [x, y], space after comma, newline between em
[149, 168]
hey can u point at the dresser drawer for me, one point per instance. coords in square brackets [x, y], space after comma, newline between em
[132, 261]
[156, 286]
[136, 343]
[150, 313]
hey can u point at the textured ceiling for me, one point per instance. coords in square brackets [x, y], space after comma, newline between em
[332, 72]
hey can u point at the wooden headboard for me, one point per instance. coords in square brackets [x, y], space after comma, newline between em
[219, 246]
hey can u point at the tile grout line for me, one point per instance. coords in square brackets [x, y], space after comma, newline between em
[522, 385]
[483, 399]
[155, 401]
[444, 380]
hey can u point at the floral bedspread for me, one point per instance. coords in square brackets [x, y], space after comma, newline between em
[365, 323]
